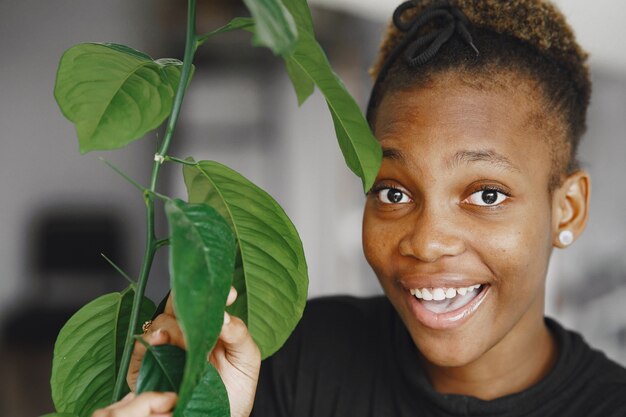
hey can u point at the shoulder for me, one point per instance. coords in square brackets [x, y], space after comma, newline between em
[340, 321]
[605, 390]
[597, 384]
[338, 329]
[330, 351]
[607, 387]
[341, 310]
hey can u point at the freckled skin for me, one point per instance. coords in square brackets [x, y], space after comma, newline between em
[505, 347]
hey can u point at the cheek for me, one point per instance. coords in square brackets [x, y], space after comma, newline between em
[518, 252]
[378, 243]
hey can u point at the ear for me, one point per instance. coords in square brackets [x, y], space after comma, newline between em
[570, 206]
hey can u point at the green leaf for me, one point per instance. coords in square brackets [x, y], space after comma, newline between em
[202, 261]
[307, 66]
[161, 369]
[301, 13]
[244, 23]
[274, 26]
[360, 149]
[88, 351]
[210, 397]
[113, 93]
[301, 81]
[273, 286]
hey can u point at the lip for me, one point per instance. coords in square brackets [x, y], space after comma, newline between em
[451, 319]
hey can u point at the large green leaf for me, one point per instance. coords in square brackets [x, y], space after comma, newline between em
[308, 66]
[88, 351]
[360, 149]
[301, 13]
[161, 369]
[202, 262]
[113, 93]
[273, 286]
[209, 398]
[274, 26]
[301, 81]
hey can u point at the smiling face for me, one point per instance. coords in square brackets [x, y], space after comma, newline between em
[462, 200]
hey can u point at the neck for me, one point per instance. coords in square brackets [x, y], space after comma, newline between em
[521, 359]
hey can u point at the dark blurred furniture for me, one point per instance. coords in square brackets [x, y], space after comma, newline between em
[64, 271]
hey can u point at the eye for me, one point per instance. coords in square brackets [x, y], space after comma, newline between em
[392, 196]
[487, 197]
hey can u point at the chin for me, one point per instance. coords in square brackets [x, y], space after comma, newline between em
[449, 355]
[449, 350]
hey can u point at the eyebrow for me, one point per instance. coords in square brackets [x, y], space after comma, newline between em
[392, 153]
[483, 155]
[465, 156]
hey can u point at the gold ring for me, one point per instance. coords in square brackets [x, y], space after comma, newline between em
[146, 326]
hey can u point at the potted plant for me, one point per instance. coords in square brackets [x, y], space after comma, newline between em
[229, 232]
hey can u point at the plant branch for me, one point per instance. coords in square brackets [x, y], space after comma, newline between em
[124, 175]
[151, 242]
[118, 269]
[237, 23]
[162, 242]
[181, 161]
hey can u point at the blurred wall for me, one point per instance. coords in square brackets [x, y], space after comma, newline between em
[42, 175]
[41, 168]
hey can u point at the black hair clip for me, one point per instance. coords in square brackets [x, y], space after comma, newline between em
[420, 49]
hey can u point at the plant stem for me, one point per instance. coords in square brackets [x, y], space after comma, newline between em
[152, 243]
[119, 270]
[181, 161]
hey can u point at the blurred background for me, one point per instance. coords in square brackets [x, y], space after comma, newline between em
[60, 210]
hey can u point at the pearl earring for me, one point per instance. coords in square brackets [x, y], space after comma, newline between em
[566, 237]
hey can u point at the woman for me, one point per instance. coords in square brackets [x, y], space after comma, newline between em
[479, 106]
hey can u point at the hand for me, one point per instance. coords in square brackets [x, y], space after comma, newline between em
[148, 404]
[235, 356]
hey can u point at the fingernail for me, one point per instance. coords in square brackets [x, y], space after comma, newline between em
[170, 394]
[156, 333]
[226, 318]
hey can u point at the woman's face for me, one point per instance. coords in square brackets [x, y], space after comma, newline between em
[461, 200]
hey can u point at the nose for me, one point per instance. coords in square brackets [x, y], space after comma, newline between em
[431, 235]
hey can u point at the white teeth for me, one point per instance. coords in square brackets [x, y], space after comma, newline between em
[426, 295]
[439, 294]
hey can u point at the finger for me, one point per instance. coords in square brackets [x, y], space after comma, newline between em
[139, 350]
[154, 337]
[232, 296]
[169, 305]
[148, 404]
[237, 339]
[170, 327]
[164, 330]
[128, 398]
[107, 412]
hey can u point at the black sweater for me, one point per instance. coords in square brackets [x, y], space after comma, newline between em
[354, 357]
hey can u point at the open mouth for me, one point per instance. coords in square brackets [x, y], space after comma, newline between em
[445, 300]
[441, 308]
